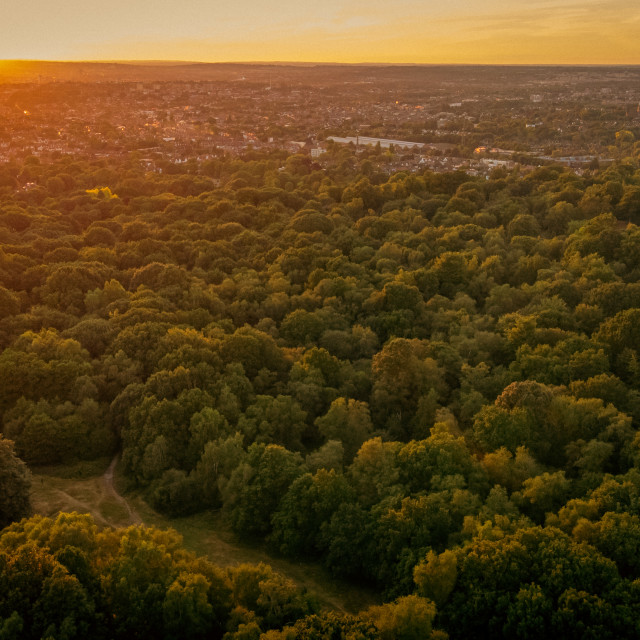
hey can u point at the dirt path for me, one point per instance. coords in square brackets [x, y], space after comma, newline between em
[110, 490]
[95, 494]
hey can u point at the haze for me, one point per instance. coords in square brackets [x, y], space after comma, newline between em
[407, 31]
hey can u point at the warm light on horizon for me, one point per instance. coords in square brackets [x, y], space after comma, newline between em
[347, 31]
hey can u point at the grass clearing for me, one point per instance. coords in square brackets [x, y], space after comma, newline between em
[58, 489]
[70, 489]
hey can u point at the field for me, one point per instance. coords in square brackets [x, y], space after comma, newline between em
[92, 488]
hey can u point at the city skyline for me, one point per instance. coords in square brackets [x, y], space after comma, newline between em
[409, 31]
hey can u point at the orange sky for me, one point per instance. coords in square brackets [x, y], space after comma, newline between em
[419, 31]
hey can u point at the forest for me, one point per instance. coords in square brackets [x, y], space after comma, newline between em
[427, 382]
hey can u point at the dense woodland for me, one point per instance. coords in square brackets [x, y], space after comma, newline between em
[428, 382]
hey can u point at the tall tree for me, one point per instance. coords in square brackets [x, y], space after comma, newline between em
[15, 484]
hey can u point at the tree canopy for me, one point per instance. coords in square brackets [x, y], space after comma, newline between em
[403, 375]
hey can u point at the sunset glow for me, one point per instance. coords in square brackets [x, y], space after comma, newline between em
[407, 31]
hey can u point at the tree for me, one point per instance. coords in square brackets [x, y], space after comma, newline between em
[301, 327]
[509, 470]
[310, 501]
[401, 375]
[15, 485]
[424, 462]
[186, 609]
[214, 469]
[621, 334]
[629, 206]
[9, 303]
[48, 433]
[262, 481]
[542, 494]
[519, 584]
[329, 456]
[205, 426]
[617, 536]
[436, 575]
[545, 422]
[47, 599]
[408, 618]
[346, 539]
[41, 365]
[278, 420]
[347, 421]
[255, 350]
[327, 625]
[374, 473]
[158, 435]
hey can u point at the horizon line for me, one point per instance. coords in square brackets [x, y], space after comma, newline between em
[153, 61]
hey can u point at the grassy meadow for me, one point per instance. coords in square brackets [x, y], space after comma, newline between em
[87, 487]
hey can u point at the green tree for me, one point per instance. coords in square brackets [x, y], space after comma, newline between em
[495, 596]
[408, 618]
[262, 481]
[278, 420]
[186, 609]
[347, 421]
[15, 485]
[310, 501]
[436, 575]
[401, 375]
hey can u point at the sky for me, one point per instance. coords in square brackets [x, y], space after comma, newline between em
[356, 31]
